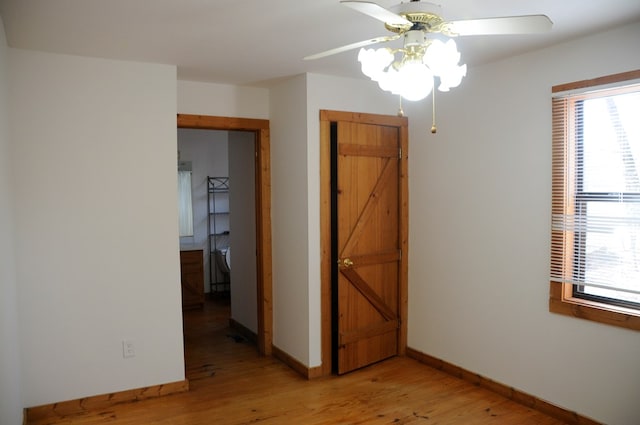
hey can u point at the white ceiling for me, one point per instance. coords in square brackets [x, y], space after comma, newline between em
[250, 42]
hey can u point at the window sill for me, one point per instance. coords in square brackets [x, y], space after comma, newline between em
[561, 301]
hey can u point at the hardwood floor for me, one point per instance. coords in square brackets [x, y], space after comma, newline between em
[231, 384]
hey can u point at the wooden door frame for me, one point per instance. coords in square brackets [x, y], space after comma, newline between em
[260, 128]
[402, 123]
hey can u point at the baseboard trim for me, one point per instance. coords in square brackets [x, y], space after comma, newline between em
[506, 391]
[304, 371]
[92, 403]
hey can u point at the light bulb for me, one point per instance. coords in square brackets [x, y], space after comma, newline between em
[415, 81]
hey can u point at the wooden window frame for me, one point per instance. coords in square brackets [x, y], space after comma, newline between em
[561, 295]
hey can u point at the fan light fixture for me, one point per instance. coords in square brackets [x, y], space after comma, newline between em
[428, 52]
[411, 71]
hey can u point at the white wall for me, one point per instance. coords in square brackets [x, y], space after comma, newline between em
[244, 307]
[10, 385]
[290, 218]
[479, 235]
[94, 158]
[208, 152]
[220, 100]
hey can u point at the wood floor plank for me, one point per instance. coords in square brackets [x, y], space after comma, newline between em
[231, 384]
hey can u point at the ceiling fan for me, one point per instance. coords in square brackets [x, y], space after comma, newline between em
[428, 49]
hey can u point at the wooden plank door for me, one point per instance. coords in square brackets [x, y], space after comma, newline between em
[368, 244]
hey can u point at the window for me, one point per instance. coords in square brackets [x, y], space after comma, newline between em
[595, 231]
[185, 209]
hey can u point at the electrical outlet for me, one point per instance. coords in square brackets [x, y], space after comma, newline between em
[128, 349]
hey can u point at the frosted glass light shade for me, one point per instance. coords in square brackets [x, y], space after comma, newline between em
[442, 58]
[453, 77]
[374, 61]
[412, 76]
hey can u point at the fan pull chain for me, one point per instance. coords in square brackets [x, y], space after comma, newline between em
[400, 110]
[434, 129]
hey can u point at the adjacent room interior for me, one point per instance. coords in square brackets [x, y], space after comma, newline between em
[218, 168]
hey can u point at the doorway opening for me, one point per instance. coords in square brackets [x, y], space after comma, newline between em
[260, 131]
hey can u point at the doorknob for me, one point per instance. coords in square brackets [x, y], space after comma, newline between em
[346, 263]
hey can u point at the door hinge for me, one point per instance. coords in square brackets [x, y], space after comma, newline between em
[400, 152]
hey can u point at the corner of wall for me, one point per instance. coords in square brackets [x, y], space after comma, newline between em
[10, 380]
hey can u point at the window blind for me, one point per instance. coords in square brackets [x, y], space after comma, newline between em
[595, 225]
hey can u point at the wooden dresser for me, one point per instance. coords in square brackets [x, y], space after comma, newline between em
[192, 278]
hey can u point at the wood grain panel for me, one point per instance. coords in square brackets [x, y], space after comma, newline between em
[398, 256]
[367, 226]
[50, 412]
[608, 79]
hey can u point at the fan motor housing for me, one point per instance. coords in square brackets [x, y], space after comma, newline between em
[424, 16]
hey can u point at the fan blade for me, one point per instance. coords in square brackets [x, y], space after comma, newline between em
[353, 46]
[527, 24]
[376, 11]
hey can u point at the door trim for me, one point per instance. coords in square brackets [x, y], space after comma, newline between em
[402, 123]
[263, 210]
